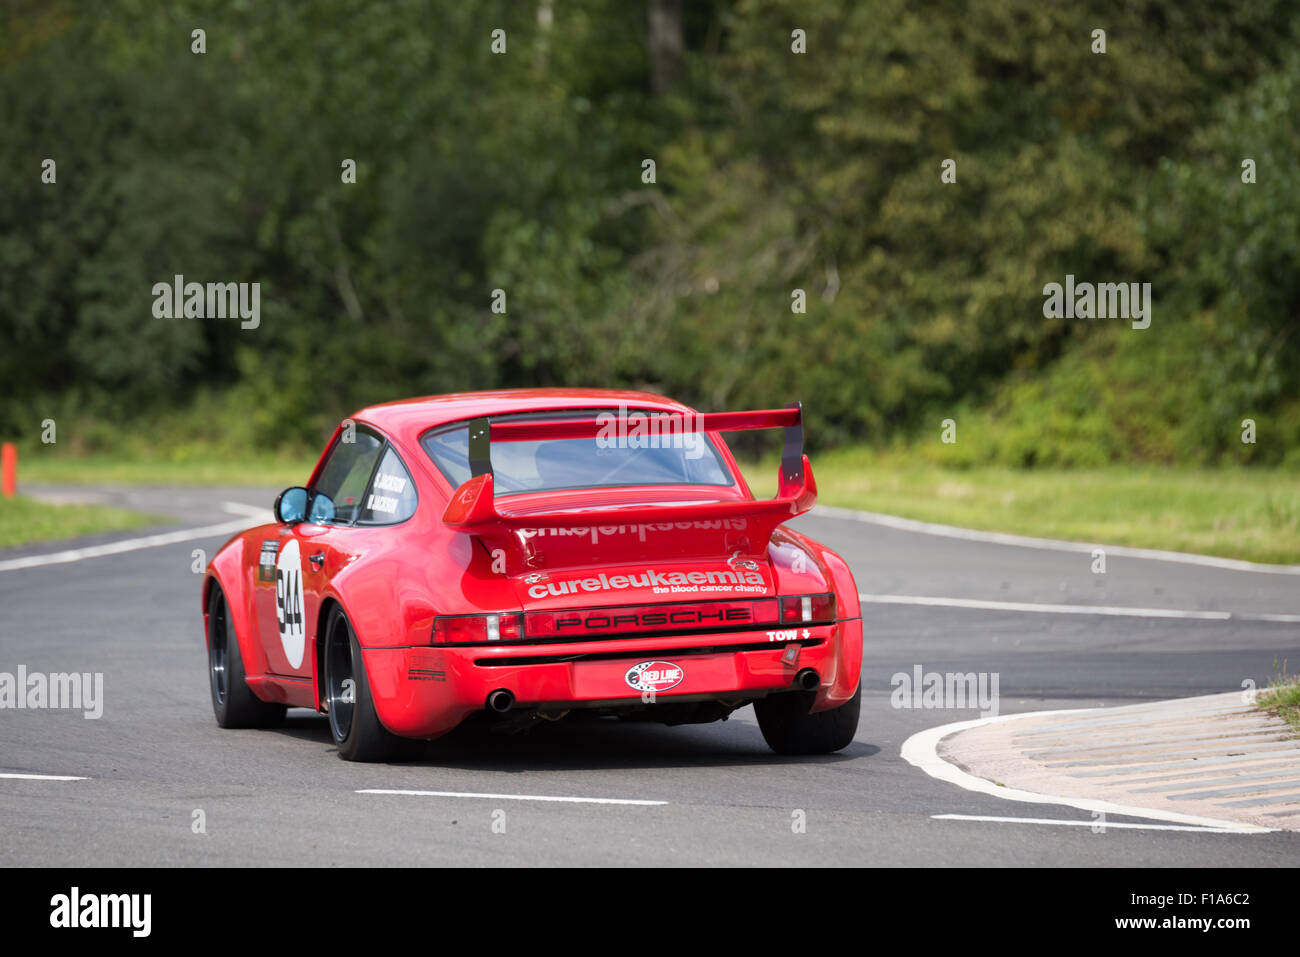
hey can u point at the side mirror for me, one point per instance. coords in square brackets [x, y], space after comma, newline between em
[291, 505]
[322, 509]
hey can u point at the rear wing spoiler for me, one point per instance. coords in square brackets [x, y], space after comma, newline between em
[473, 506]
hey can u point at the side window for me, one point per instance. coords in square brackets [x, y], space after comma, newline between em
[391, 496]
[346, 473]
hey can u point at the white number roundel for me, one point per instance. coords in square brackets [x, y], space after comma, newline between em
[288, 602]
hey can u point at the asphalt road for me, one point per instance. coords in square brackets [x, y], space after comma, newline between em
[278, 797]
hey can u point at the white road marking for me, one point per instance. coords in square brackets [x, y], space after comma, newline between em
[1046, 608]
[252, 511]
[1102, 825]
[921, 750]
[511, 797]
[147, 541]
[40, 777]
[1053, 544]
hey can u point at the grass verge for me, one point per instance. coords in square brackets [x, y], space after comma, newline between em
[1244, 513]
[24, 521]
[1282, 698]
[269, 471]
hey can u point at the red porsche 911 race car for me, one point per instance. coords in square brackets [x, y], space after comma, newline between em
[527, 554]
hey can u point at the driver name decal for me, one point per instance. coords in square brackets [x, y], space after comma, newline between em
[386, 503]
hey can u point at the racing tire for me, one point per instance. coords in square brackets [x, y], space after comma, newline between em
[789, 728]
[233, 701]
[354, 725]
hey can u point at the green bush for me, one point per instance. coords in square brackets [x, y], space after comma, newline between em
[775, 172]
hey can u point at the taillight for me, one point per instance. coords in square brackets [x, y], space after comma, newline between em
[808, 609]
[463, 628]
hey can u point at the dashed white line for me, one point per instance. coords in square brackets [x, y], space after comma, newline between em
[1045, 608]
[511, 797]
[1053, 544]
[251, 511]
[1101, 826]
[40, 777]
[147, 541]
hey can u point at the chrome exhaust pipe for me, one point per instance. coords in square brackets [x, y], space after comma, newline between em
[500, 701]
[808, 679]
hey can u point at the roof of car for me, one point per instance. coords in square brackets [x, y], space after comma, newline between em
[406, 419]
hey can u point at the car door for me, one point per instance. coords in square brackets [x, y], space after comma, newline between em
[295, 567]
[387, 498]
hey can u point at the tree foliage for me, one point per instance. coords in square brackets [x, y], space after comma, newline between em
[775, 171]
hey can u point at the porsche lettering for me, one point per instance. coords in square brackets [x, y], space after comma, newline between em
[702, 616]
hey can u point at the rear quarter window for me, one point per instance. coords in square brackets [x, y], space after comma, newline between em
[391, 496]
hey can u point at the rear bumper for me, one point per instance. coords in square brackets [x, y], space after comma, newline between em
[426, 691]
